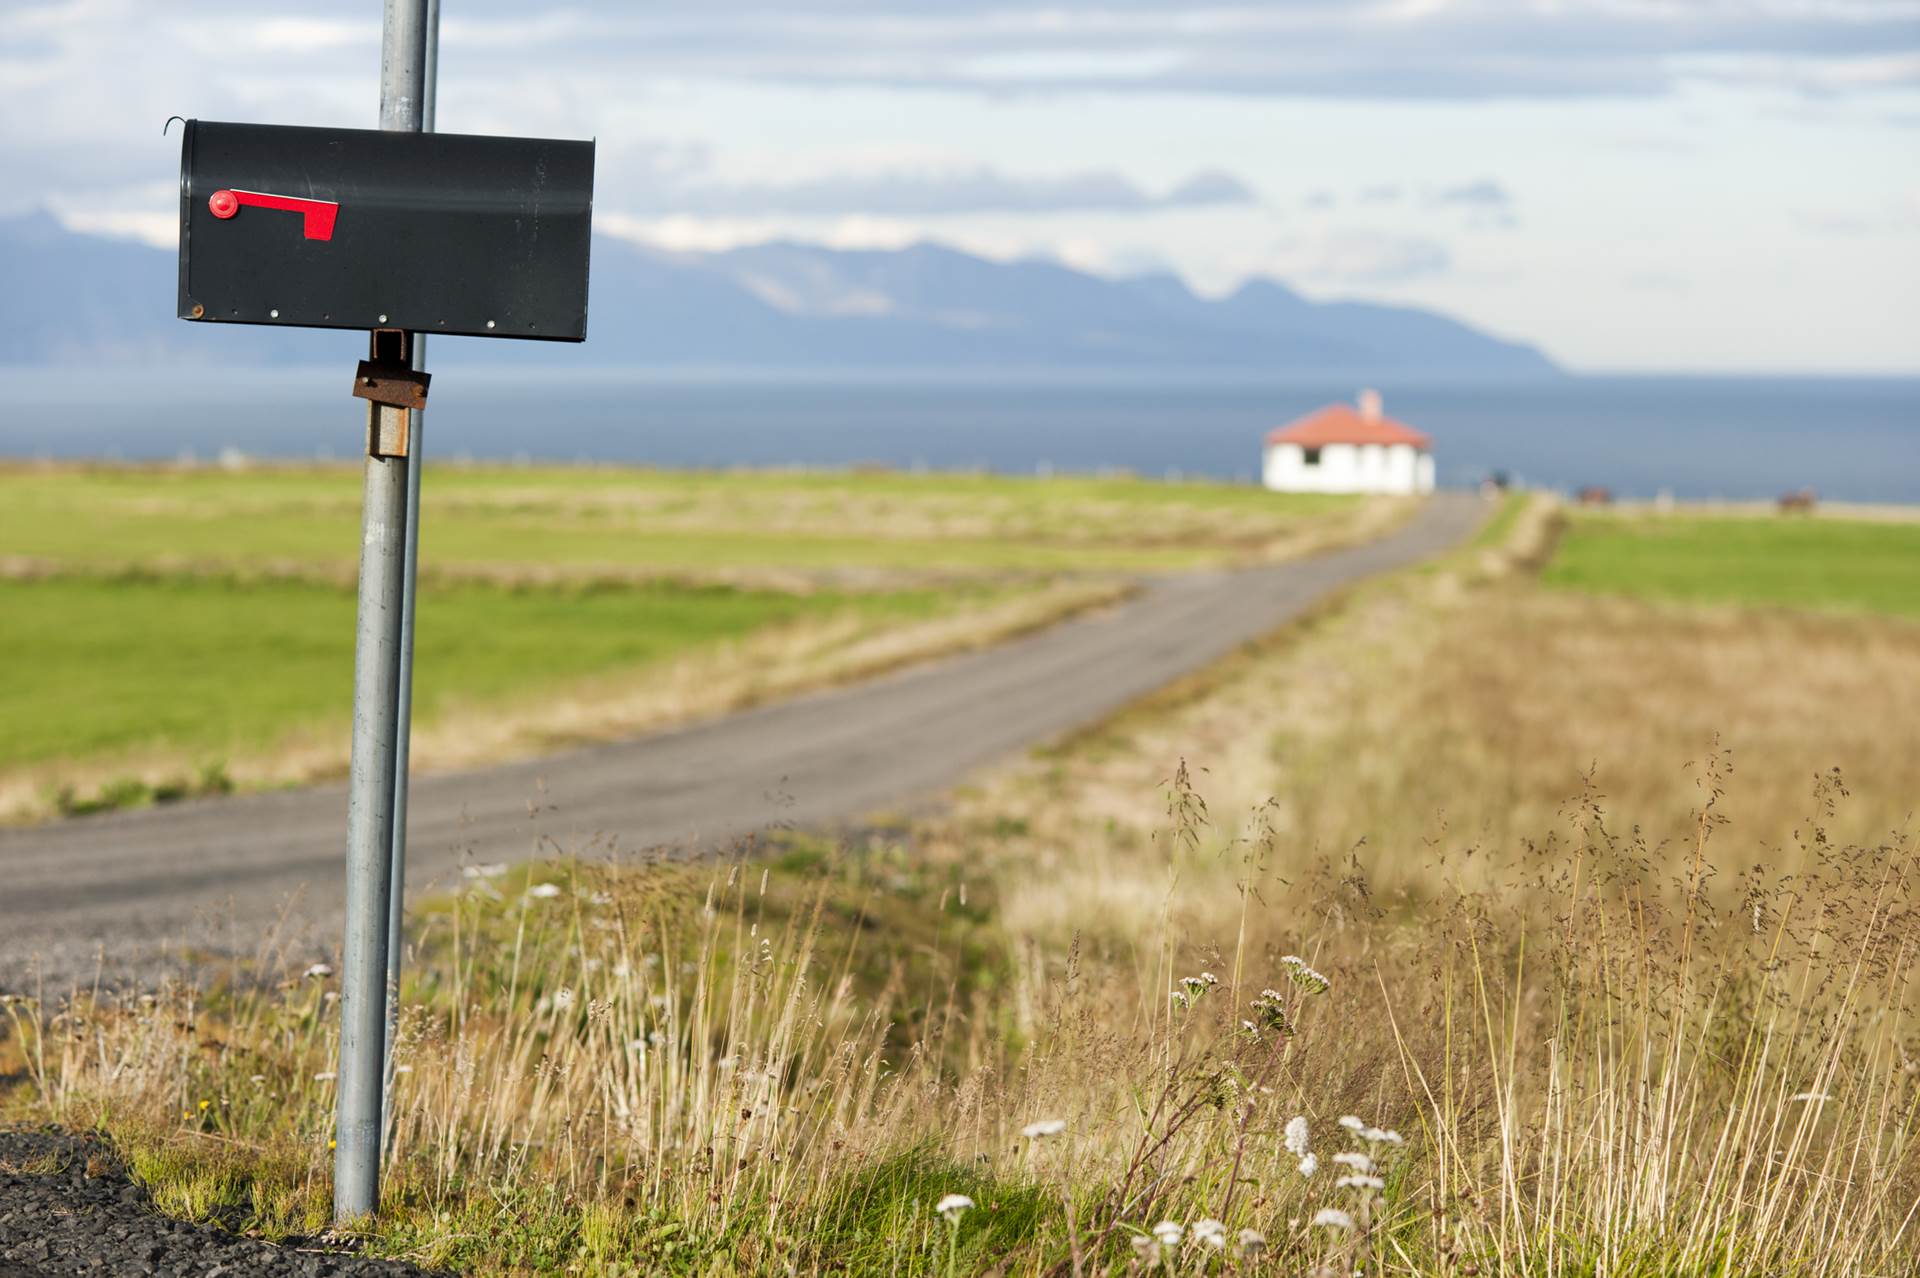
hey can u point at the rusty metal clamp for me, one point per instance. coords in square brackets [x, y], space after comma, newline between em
[391, 386]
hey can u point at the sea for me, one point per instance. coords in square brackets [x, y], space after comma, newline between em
[1733, 438]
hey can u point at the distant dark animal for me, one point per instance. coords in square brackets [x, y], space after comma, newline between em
[1594, 495]
[1798, 503]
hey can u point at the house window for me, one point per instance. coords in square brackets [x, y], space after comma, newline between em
[1310, 457]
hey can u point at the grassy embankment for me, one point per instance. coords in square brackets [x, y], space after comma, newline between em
[1618, 957]
[173, 629]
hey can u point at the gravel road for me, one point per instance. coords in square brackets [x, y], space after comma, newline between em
[165, 889]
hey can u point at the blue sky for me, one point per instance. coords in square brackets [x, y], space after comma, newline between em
[1634, 184]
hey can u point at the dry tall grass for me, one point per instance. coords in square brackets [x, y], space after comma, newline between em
[1641, 1018]
[1464, 707]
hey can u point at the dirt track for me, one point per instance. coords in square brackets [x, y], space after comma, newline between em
[149, 887]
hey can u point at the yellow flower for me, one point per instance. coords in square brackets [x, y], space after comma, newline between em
[331, 1143]
[205, 1104]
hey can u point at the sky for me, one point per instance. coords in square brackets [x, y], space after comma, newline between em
[1711, 185]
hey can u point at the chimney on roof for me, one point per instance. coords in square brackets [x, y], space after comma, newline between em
[1370, 405]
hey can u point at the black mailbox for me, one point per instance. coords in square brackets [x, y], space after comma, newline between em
[357, 228]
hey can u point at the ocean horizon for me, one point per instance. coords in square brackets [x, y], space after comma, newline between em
[1696, 437]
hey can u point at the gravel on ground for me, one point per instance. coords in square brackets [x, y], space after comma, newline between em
[68, 1206]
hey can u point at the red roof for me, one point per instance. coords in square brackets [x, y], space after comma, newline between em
[1345, 424]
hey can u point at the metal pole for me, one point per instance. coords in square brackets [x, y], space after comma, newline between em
[416, 445]
[376, 679]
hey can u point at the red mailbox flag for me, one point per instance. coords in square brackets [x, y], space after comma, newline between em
[317, 215]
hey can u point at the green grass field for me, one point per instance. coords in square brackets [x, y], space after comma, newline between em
[650, 521]
[1829, 564]
[209, 665]
[157, 619]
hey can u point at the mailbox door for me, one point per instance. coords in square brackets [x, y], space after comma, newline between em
[358, 228]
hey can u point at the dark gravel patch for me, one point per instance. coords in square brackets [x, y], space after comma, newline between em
[67, 1206]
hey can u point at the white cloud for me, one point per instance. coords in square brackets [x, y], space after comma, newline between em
[1485, 193]
[1347, 49]
[682, 232]
[160, 230]
[922, 192]
[1359, 256]
[1899, 215]
[1356, 49]
[298, 35]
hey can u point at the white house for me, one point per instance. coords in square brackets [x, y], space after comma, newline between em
[1343, 449]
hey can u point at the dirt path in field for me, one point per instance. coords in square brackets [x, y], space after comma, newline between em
[164, 888]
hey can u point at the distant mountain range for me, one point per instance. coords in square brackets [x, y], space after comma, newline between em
[82, 299]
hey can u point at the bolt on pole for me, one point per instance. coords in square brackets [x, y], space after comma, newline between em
[410, 572]
[376, 687]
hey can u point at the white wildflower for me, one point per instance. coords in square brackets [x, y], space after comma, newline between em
[1148, 1249]
[1169, 1233]
[562, 999]
[1211, 1232]
[320, 971]
[1305, 977]
[1333, 1218]
[1309, 1164]
[1044, 1128]
[1352, 1123]
[953, 1207]
[491, 870]
[1376, 1136]
[544, 891]
[1360, 1182]
[1359, 1162]
[1271, 1012]
[1192, 988]
[1297, 1135]
[1252, 1242]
